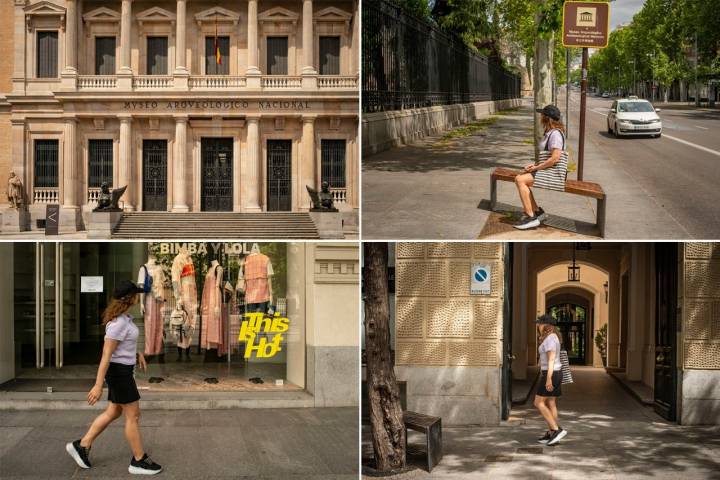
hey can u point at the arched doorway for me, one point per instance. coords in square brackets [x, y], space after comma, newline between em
[573, 310]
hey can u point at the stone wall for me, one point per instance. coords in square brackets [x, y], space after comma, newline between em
[385, 130]
[448, 342]
[700, 339]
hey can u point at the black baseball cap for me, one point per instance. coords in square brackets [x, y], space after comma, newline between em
[550, 111]
[547, 319]
[125, 288]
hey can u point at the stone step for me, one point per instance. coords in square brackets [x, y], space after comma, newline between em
[275, 225]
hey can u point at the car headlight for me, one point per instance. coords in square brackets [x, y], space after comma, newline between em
[657, 120]
[626, 122]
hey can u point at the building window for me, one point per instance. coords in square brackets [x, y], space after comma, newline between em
[329, 55]
[277, 55]
[332, 162]
[46, 164]
[100, 163]
[212, 66]
[47, 54]
[157, 55]
[104, 55]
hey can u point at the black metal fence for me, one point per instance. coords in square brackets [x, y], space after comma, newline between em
[408, 63]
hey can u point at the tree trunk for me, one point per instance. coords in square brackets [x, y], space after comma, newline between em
[386, 416]
[542, 84]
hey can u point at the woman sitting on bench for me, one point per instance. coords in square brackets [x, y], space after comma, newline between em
[549, 171]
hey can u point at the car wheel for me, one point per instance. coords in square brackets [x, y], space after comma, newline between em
[658, 135]
[617, 134]
[609, 129]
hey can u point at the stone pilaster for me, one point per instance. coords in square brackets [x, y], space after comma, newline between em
[125, 73]
[70, 164]
[253, 71]
[125, 171]
[69, 74]
[179, 203]
[252, 169]
[181, 73]
[307, 161]
[309, 74]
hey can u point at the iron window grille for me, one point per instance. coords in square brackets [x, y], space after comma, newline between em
[46, 164]
[100, 163]
[332, 162]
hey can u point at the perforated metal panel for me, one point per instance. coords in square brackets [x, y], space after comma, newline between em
[438, 322]
[701, 311]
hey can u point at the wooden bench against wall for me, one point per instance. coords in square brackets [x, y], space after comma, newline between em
[575, 187]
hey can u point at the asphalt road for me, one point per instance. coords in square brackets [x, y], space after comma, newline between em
[680, 170]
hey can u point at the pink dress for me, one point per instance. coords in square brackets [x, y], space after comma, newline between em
[154, 300]
[183, 280]
[213, 313]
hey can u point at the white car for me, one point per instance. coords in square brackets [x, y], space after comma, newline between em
[633, 116]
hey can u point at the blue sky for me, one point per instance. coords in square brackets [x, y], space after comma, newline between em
[622, 11]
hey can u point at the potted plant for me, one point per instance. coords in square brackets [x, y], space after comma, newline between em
[601, 343]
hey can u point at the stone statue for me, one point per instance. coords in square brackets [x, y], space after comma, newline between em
[15, 191]
[108, 201]
[322, 201]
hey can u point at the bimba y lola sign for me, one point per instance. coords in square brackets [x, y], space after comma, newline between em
[255, 324]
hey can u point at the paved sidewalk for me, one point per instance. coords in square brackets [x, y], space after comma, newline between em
[430, 191]
[611, 436]
[311, 443]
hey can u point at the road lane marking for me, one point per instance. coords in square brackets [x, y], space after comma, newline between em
[690, 144]
[698, 126]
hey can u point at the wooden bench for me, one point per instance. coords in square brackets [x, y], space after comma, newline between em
[432, 428]
[584, 189]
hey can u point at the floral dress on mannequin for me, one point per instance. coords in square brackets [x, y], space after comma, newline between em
[214, 313]
[153, 303]
[185, 290]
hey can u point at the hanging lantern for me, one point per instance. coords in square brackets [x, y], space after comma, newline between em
[573, 269]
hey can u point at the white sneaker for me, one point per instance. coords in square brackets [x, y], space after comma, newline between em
[557, 436]
[527, 223]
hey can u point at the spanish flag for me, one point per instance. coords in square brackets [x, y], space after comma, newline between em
[218, 57]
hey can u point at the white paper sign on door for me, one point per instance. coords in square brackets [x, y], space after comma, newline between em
[91, 284]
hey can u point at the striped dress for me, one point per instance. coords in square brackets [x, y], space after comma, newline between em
[552, 178]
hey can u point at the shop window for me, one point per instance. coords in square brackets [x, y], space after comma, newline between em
[104, 55]
[329, 55]
[213, 64]
[277, 55]
[47, 54]
[332, 161]
[157, 55]
[100, 163]
[46, 164]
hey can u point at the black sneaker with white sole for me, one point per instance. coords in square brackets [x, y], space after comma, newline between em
[527, 222]
[144, 466]
[556, 436]
[80, 454]
[541, 215]
[545, 438]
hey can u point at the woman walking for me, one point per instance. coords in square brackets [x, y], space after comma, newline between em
[549, 172]
[116, 368]
[549, 388]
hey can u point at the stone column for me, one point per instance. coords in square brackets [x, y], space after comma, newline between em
[307, 161]
[252, 41]
[69, 164]
[125, 169]
[125, 38]
[307, 37]
[179, 197]
[254, 189]
[181, 72]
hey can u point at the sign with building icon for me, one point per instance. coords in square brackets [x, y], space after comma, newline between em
[586, 24]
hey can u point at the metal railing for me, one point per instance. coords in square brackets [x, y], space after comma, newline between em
[408, 63]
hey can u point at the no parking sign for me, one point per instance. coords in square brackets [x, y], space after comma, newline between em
[480, 279]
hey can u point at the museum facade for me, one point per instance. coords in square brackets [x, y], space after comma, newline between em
[194, 105]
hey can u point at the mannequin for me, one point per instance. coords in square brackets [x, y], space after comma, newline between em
[255, 280]
[185, 293]
[151, 305]
[212, 310]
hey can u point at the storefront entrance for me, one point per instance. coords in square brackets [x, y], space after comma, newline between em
[217, 174]
[155, 175]
[666, 278]
[279, 164]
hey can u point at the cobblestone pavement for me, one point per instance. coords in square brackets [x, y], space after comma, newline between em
[611, 436]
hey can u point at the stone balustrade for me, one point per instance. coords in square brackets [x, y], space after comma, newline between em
[152, 82]
[337, 82]
[93, 195]
[96, 82]
[46, 195]
[279, 82]
[339, 195]
[216, 82]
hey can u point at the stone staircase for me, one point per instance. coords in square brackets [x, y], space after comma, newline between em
[212, 225]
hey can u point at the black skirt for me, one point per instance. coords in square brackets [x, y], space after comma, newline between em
[121, 383]
[556, 383]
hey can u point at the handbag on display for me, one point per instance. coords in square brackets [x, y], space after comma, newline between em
[565, 367]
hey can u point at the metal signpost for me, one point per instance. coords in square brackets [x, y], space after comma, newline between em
[585, 25]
